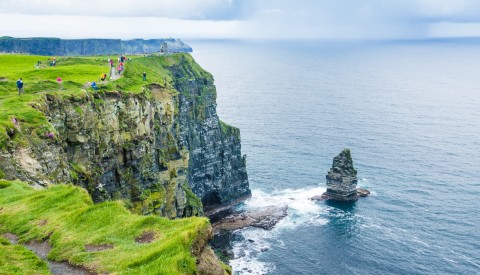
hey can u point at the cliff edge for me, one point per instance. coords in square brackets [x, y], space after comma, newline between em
[157, 144]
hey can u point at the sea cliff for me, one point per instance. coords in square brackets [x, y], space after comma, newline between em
[87, 47]
[153, 144]
[158, 145]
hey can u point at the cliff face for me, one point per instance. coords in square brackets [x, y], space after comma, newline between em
[84, 47]
[153, 148]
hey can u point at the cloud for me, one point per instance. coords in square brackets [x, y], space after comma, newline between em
[180, 9]
[355, 19]
[351, 19]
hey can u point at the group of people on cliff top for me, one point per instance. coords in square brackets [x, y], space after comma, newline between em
[121, 66]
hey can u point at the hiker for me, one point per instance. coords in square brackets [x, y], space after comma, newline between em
[103, 77]
[111, 63]
[20, 86]
[60, 82]
[119, 68]
[94, 86]
[144, 76]
[54, 62]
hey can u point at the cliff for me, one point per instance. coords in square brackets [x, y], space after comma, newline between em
[71, 235]
[87, 47]
[157, 144]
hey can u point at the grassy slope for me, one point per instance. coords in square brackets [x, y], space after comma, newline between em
[75, 72]
[73, 221]
[15, 259]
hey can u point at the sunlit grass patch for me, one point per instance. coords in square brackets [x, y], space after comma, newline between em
[66, 215]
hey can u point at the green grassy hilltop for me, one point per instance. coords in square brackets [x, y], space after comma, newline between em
[77, 73]
[66, 216]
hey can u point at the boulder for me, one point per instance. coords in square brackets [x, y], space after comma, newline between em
[266, 218]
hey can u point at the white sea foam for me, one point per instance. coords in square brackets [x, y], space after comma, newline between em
[301, 211]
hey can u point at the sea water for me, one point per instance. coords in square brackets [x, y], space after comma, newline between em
[410, 113]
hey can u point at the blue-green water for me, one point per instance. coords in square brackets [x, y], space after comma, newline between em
[410, 112]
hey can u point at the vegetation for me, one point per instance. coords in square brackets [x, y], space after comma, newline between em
[77, 73]
[66, 217]
[15, 259]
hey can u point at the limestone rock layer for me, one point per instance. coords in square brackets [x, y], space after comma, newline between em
[342, 179]
[156, 149]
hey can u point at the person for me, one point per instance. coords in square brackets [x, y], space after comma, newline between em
[20, 86]
[60, 82]
[144, 76]
[94, 86]
[111, 63]
[103, 77]
[119, 68]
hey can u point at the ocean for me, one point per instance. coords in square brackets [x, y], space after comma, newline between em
[410, 113]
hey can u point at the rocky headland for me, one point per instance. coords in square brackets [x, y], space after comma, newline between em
[86, 47]
[156, 147]
[342, 180]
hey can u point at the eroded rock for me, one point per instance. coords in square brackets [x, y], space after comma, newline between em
[266, 218]
[342, 180]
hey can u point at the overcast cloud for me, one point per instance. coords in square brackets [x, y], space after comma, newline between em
[351, 19]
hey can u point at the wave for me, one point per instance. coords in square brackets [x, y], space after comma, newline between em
[301, 212]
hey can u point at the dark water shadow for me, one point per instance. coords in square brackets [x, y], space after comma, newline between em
[344, 206]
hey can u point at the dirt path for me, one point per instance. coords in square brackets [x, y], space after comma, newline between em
[41, 249]
[114, 74]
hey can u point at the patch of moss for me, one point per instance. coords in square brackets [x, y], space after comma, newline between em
[229, 130]
[78, 110]
[4, 184]
[194, 206]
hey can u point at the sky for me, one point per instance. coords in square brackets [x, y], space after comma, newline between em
[255, 19]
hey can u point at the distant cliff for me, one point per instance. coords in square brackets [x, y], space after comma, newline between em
[86, 47]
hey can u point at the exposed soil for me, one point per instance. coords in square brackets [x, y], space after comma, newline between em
[11, 237]
[41, 249]
[42, 222]
[97, 247]
[146, 237]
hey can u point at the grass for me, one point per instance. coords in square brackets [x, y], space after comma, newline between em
[67, 216]
[76, 73]
[15, 259]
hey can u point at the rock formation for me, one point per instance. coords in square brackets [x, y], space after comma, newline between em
[342, 180]
[151, 148]
[266, 218]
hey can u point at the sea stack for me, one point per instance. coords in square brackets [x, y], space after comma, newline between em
[342, 180]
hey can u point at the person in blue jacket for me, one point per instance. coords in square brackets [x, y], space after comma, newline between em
[20, 86]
